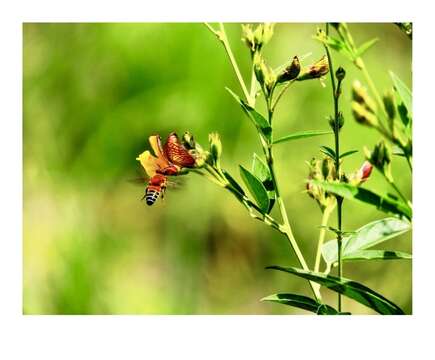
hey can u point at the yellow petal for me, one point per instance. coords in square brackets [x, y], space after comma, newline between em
[148, 162]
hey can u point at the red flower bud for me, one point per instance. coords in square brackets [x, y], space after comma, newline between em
[365, 171]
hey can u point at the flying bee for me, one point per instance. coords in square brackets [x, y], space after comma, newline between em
[170, 160]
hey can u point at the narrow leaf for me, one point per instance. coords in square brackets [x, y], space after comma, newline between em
[403, 92]
[256, 188]
[377, 255]
[349, 288]
[365, 237]
[350, 192]
[364, 47]
[258, 120]
[328, 151]
[347, 153]
[301, 135]
[301, 302]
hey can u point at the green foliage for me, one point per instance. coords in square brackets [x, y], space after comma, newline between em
[377, 255]
[365, 237]
[257, 119]
[78, 153]
[403, 92]
[328, 151]
[301, 302]
[384, 203]
[262, 173]
[256, 188]
[349, 288]
[302, 135]
[365, 46]
[348, 153]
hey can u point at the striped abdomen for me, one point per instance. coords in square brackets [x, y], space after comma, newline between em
[152, 194]
[156, 186]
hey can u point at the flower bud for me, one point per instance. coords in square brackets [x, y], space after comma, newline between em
[359, 94]
[365, 171]
[215, 148]
[389, 104]
[188, 141]
[194, 149]
[248, 37]
[320, 170]
[380, 158]
[340, 74]
[328, 169]
[259, 68]
[264, 74]
[316, 70]
[361, 175]
[363, 116]
[291, 72]
[256, 38]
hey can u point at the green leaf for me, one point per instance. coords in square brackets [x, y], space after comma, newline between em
[234, 183]
[328, 151]
[256, 188]
[301, 302]
[258, 120]
[351, 192]
[349, 288]
[364, 47]
[403, 114]
[337, 45]
[262, 173]
[347, 153]
[301, 135]
[403, 91]
[365, 237]
[398, 151]
[260, 169]
[377, 255]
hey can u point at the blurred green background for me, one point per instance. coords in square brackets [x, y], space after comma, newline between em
[93, 93]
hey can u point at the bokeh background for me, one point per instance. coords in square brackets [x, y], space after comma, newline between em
[93, 93]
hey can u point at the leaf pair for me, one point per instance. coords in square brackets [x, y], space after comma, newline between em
[354, 246]
[346, 287]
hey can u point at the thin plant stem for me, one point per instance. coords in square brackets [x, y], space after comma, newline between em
[284, 89]
[335, 96]
[322, 234]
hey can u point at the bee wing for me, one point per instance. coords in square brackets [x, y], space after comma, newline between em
[175, 184]
[176, 153]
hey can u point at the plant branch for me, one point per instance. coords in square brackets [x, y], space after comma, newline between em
[222, 36]
[335, 95]
[325, 218]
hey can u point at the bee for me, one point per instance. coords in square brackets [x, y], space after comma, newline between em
[170, 160]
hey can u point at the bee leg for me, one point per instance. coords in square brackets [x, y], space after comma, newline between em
[162, 193]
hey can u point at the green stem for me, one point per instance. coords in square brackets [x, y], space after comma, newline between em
[224, 39]
[335, 96]
[322, 234]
